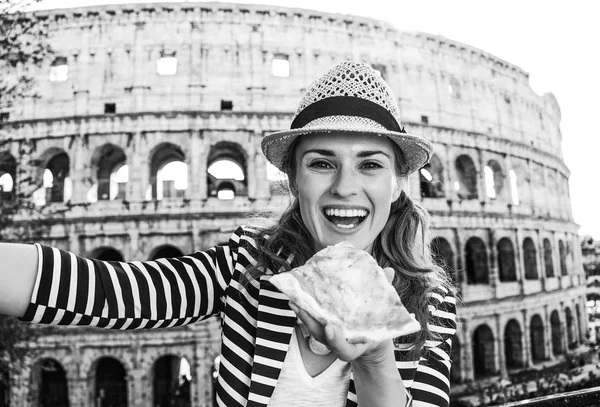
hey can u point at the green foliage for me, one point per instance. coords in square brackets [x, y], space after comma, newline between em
[23, 47]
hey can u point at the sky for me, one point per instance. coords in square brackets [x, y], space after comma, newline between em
[556, 42]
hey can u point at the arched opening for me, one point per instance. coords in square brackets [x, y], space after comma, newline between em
[111, 383]
[166, 252]
[49, 381]
[112, 173]
[168, 173]
[557, 348]
[562, 257]
[443, 255]
[215, 377]
[59, 70]
[8, 170]
[549, 265]
[506, 260]
[494, 179]
[172, 382]
[530, 257]
[432, 179]
[466, 185]
[483, 352]
[538, 344]
[476, 261]
[513, 345]
[107, 254]
[571, 338]
[227, 171]
[53, 172]
[455, 357]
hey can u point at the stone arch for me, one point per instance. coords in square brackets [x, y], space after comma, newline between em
[443, 255]
[455, 357]
[548, 262]
[513, 344]
[162, 155]
[562, 255]
[8, 174]
[48, 384]
[431, 178]
[106, 160]
[506, 260]
[107, 253]
[556, 332]
[52, 173]
[538, 343]
[494, 179]
[236, 157]
[484, 352]
[530, 257]
[467, 177]
[108, 381]
[476, 261]
[171, 382]
[166, 251]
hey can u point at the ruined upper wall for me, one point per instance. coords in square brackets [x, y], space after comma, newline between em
[224, 53]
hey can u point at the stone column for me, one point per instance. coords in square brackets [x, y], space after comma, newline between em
[78, 171]
[467, 353]
[493, 262]
[526, 339]
[520, 262]
[451, 172]
[481, 192]
[547, 334]
[564, 328]
[500, 343]
[138, 168]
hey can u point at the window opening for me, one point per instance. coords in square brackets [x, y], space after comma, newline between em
[110, 108]
[226, 105]
[425, 119]
[59, 70]
[166, 64]
[280, 66]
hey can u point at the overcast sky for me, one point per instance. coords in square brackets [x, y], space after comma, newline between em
[555, 41]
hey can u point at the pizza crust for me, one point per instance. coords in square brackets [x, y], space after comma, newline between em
[344, 286]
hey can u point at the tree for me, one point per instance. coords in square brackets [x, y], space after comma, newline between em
[23, 49]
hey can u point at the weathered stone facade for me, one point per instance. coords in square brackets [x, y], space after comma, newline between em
[497, 186]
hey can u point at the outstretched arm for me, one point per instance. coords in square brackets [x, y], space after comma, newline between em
[18, 268]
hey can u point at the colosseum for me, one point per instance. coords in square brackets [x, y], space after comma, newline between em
[143, 140]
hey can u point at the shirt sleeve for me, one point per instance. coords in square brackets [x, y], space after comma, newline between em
[72, 290]
[431, 385]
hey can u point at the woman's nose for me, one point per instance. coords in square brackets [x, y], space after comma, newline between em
[345, 183]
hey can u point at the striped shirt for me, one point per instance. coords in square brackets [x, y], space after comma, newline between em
[256, 321]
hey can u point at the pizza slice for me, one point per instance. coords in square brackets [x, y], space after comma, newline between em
[345, 286]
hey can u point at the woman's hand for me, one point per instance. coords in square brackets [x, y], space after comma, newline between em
[333, 336]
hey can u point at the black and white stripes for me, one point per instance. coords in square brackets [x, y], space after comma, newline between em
[257, 323]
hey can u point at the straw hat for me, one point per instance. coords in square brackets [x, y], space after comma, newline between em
[349, 98]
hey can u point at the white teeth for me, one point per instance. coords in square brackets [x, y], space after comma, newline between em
[347, 213]
[346, 226]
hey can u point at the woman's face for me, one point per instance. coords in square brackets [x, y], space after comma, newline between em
[345, 185]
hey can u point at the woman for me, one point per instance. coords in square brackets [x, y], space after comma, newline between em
[347, 159]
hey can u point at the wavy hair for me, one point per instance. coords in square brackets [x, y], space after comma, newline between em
[286, 243]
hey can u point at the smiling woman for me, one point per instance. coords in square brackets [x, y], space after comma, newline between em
[347, 158]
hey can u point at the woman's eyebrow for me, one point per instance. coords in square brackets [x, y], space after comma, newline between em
[363, 154]
[328, 153]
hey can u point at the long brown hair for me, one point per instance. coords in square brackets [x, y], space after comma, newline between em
[402, 245]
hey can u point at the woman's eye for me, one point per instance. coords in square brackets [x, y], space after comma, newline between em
[371, 165]
[320, 164]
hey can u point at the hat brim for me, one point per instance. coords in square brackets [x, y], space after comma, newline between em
[417, 150]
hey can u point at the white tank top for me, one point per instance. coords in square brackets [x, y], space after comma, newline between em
[296, 388]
